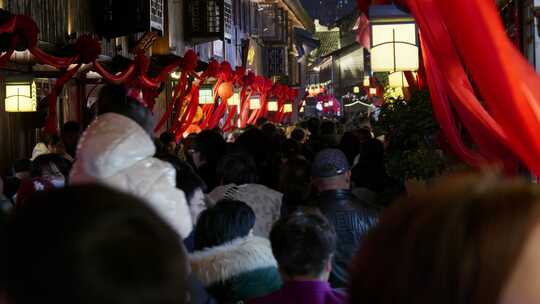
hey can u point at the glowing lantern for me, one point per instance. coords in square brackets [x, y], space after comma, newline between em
[21, 96]
[373, 91]
[226, 90]
[255, 103]
[287, 108]
[394, 41]
[398, 80]
[356, 90]
[235, 100]
[367, 81]
[175, 75]
[272, 106]
[206, 96]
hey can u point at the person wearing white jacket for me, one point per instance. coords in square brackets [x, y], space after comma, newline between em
[116, 150]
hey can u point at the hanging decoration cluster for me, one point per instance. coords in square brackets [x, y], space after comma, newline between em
[21, 33]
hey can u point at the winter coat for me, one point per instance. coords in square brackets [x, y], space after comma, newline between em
[117, 152]
[237, 271]
[352, 218]
[304, 292]
[265, 202]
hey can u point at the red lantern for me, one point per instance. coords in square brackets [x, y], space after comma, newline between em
[226, 90]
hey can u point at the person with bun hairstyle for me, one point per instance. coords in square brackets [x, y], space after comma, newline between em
[117, 150]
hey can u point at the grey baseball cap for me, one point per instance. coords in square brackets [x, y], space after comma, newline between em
[329, 163]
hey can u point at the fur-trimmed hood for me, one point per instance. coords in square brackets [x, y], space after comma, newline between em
[220, 263]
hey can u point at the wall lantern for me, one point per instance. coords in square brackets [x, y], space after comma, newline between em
[287, 108]
[206, 96]
[255, 103]
[21, 96]
[356, 90]
[373, 91]
[394, 40]
[367, 81]
[272, 106]
[234, 100]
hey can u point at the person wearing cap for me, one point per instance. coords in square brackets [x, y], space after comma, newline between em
[351, 217]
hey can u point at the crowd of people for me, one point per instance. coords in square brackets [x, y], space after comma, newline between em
[270, 214]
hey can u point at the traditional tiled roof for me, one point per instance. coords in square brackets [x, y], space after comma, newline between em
[330, 42]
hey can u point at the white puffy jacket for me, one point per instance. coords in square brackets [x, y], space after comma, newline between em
[117, 152]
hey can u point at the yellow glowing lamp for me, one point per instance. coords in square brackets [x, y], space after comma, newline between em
[255, 103]
[272, 106]
[373, 91]
[398, 80]
[234, 100]
[356, 90]
[287, 108]
[175, 75]
[302, 110]
[367, 81]
[206, 96]
[21, 96]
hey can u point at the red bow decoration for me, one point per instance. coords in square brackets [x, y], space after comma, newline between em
[188, 64]
[247, 83]
[225, 75]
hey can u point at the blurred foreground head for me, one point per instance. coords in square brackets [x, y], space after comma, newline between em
[469, 239]
[91, 245]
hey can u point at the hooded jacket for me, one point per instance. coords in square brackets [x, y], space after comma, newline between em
[117, 152]
[240, 270]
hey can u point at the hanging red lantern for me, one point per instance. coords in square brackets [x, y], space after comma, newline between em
[226, 90]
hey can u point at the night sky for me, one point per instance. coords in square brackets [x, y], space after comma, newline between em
[326, 10]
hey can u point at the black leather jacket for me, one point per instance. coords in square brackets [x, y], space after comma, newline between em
[351, 218]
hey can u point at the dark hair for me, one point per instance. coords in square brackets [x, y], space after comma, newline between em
[115, 99]
[261, 122]
[328, 127]
[186, 178]
[298, 134]
[71, 127]
[51, 139]
[167, 137]
[211, 145]
[45, 162]
[458, 242]
[302, 243]
[269, 129]
[295, 183]
[364, 134]
[291, 148]
[254, 142]
[90, 244]
[313, 125]
[222, 223]
[350, 145]
[237, 168]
